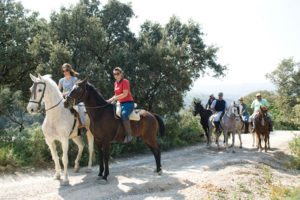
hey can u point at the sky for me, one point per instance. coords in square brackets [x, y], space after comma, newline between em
[253, 36]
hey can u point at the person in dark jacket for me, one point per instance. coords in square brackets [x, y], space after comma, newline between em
[218, 106]
[244, 114]
[209, 102]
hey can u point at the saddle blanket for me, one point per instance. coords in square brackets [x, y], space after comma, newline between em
[135, 115]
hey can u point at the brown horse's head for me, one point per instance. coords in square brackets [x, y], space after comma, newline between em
[77, 94]
[263, 110]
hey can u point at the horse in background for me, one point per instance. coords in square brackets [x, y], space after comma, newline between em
[59, 124]
[229, 124]
[262, 127]
[106, 128]
[204, 117]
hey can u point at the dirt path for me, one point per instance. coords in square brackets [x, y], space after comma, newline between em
[194, 172]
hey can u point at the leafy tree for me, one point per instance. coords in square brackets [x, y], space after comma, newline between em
[170, 58]
[12, 110]
[17, 32]
[17, 29]
[286, 78]
[161, 63]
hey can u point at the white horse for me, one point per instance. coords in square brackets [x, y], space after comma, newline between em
[230, 123]
[59, 124]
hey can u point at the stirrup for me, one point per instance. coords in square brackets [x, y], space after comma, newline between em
[81, 131]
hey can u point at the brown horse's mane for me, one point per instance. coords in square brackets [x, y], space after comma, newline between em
[98, 95]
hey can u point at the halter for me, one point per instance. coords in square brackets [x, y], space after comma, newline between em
[35, 84]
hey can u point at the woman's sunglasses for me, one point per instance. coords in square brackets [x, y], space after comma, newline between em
[116, 74]
[65, 71]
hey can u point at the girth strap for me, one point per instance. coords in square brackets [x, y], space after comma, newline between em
[73, 126]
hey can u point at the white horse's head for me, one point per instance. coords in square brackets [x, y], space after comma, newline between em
[233, 109]
[37, 94]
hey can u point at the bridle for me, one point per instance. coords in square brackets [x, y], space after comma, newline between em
[77, 96]
[35, 84]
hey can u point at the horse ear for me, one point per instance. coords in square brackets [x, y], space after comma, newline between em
[194, 102]
[33, 78]
[40, 77]
[85, 80]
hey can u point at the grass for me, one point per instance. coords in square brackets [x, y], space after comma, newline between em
[243, 188]
[267, 174]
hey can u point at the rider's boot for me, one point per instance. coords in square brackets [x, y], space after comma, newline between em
[246, 127]
[81, 129]
[270, 125]
[128, 131]
[217, 125]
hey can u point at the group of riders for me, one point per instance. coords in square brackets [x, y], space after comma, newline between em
[123, 95]
[219, 106]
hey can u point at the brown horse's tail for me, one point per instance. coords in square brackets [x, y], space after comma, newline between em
[161, 125]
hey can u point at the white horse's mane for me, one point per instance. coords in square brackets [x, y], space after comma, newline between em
[48, 78]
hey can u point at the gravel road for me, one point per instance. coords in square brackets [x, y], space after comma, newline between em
[195, 172]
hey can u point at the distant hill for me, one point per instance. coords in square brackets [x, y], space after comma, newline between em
[232, 92]
[203, 97]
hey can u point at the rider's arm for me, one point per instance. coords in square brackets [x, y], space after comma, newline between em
[110, 100]
[59, 86]
[121, 96]
[244, 109]
[212, 106]
[265, 103]
[226, 105]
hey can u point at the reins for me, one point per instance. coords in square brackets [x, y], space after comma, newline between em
[90, 107]
[95, 107]
[53, 106]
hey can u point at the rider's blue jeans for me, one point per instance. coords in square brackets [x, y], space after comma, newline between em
[126, 109]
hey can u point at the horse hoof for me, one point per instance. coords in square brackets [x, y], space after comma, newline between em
[233, 151]
[160, 172]
[76, 170]
[241, 147]
[102, 181]
[65, 183]
[99, 177]
[56, 177]
[89, 170]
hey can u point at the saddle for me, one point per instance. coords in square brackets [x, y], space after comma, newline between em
[135, 114]
[74, 111]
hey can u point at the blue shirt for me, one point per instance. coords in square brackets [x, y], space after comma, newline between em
[67, 86]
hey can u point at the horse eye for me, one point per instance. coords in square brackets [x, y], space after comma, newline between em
[40, 90]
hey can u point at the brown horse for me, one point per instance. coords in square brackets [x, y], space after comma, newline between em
[106, 128]
[261, 122]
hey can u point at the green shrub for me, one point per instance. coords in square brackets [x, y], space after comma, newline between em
[29, 149]
[295, 149]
